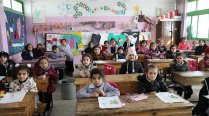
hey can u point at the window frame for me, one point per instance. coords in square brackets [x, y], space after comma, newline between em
[15, 11]
[196, 13]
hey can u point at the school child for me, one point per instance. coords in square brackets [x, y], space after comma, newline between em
[127, 44]
[97, 87]
[105, 48]
[6, 65]
[119, 54]
[204, 63]
[200, 50]
[38, 51]
[132, 65]
[89, 49]
[83, 70]
[23, 80]
[98, 55]
[28, 53]
[172, 52]
[153, 52]
[161, 47]
[143, 47]
[56, 53]
[202, 107]
[41, 70]
[150, 81]
[184, 45]
[113, 46]
[194, 44]
[180, 65]
[65, 48]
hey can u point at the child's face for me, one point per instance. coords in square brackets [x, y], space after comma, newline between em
[39, 46]
[22, 75]
[143, 44]
[202, 43]
[112, 42]
[86, 61]
[179, 59]
[96, 80]
[91, 45]
[161, 43]
[43, 64]
[30, 47]
[152, 74]
[3, 60]
[131, 57]
[153, 47]
[56, 50]
[97, 51]
[120, 51]
[173, 49]
[63, 43]
[106, 44]
[184, 41]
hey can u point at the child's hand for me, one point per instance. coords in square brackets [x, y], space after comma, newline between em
[95, 94]
[101, 92]
[153, 92]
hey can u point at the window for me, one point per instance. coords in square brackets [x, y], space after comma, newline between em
[197, 18]
[7, 3]
[17, 6]
[13, 5]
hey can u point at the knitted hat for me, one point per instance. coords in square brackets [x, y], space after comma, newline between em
[131, 51]
[207, 50]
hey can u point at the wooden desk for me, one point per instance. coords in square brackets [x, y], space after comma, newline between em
[160, 63]
[108, 56]
[150, 107]
[117, 64]
[58, 63]
[190, 77]
[188, 52]
[197, 57]
[24, 108]
[127, 83]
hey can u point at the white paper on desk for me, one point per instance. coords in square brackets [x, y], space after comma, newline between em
[13, 97]
[100, 62]
[121, 60]
[167, 97]
[207, 96]
[109, 102]
[2, 77]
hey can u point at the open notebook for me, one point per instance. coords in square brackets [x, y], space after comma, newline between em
[167, 97]
[110, 102]
[16, 96]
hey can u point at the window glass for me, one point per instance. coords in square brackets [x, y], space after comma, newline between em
[194, 26]
[17, 6]
[191, 6]
[7, 3]
[188, 26]
[203, 26]
[203, 4]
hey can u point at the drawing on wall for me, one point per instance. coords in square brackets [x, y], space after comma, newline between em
[119, 38]
[100, 25]
[39, 14]
[144, 36]
[133, 36]
[78, 9]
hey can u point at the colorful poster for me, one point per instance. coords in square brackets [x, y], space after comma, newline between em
[119, 38]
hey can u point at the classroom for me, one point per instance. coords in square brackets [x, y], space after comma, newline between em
[104, 57]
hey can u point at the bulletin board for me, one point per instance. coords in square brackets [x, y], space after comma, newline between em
[16, 32]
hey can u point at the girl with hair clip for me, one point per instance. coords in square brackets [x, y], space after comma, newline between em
[150, 81]
[202, 107]
[23, 80]
[28, 53]
[98, 55]
[153, 52]
[97, 87]
[41, 70]
[6, 65]
[132, 65]
[83, 70]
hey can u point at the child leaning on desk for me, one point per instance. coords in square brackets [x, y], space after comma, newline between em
[180, 65]
[150, 81]
[97, 87]
[204, 63]
[83, 69]
[41, 70]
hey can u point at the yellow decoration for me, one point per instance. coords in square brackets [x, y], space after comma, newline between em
[136, 9]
